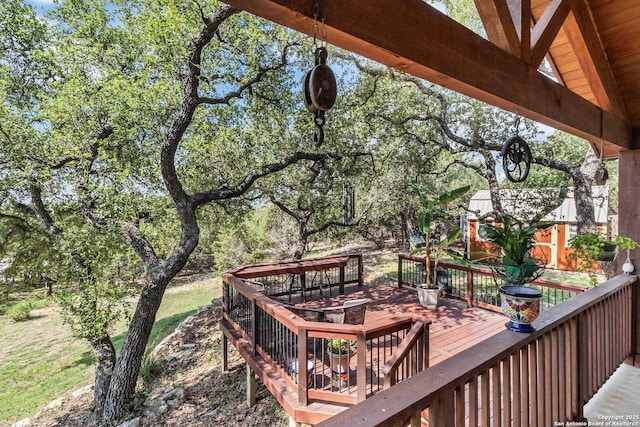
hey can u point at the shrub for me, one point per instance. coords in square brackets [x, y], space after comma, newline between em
[20, 311]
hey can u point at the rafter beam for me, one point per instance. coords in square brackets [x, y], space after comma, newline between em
[546, 30]
[583, 36]
[499, 25]
[414, 37]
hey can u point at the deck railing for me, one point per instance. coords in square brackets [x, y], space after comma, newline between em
[518, 379]
[282, 339]
[478, 287]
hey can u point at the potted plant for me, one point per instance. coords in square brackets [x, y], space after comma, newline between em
[429, 293]
[340, 352]
[588, 248]
[515, 239]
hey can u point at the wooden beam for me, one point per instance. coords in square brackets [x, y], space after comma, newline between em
[546, 30]
[583, 36]
[521, 15]
[416, 38]
[499, 25]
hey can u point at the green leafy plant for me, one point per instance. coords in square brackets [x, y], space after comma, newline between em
[515, 239]
[340, 346]
[430, 210]
[626, 243]
[589, 248]
[20, 311]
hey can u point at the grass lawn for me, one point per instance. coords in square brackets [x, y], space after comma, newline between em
[40, 361]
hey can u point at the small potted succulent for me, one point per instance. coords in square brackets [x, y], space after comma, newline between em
[515, 239]
[429, 292]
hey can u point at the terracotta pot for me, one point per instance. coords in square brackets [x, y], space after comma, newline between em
[521, 304]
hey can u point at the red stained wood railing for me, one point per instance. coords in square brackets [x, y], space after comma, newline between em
[518, 379]
[477, 287]
[282, 339]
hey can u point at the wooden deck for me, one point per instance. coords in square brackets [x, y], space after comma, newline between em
[454, 328]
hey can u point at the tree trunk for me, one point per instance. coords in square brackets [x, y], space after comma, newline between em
[301, 246]
[583, 197]
[127, 367]
[106, 359]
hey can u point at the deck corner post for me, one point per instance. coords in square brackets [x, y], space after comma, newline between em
[361, 367]
[341, 285]
[399, 270]
[224, 354]
[303, 379]
[360, 271]
[251, 386]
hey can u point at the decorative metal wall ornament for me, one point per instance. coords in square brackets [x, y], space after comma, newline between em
[516, 159]
[319, 85]
[516, 156]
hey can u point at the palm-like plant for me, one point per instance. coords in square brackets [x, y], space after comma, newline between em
[514, 239]
[428, 212]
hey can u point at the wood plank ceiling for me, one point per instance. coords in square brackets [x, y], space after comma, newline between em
[593, 47]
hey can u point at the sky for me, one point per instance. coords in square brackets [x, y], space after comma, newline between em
[41, 6]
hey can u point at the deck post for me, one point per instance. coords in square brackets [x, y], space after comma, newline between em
[224, 346]
[303, 390]
[629, 226]
[399, 271]
[360, 270]
[361, 367]
[341, 285]
[251, 386]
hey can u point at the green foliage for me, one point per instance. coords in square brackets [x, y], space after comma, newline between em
[626, 243]
[150, 369]
[340, 346]
[243, 241]
[40, 360]
[20, 311]
[426, 216]
[587, 249]
[514, 238]
[93, 307]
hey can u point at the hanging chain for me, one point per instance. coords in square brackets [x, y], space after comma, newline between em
[314, 27]
[318, 14]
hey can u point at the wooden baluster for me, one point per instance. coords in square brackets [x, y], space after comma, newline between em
[533, 389]
[460, 409]
[473, 402]
[555, 376]
[516, 389]
[485, 397]
[506, 392]
[495, 392]
[562, 374]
